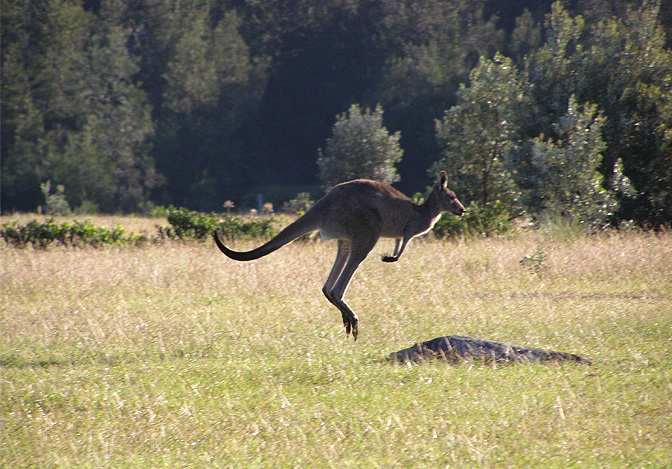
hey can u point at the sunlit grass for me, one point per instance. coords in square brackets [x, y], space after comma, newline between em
[174, 355]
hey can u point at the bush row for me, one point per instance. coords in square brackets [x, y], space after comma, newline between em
[478, 220]
[184, 225]
[488, 220]
[74, 233]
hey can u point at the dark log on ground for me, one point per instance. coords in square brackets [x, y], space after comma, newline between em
[457, 348]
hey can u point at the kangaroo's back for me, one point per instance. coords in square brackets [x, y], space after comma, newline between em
[356, 205]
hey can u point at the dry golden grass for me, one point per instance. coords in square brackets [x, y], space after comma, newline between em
[174, 355]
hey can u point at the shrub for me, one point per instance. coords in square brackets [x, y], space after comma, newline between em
[298, 205]
[74, 233]
[187, 224]
[566, 170]
[158, 211]
[56, 204]
[234, 227]
[361, 147]
[488, 220]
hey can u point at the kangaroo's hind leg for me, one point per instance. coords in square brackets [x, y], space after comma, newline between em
[359, 248]
[341, 258]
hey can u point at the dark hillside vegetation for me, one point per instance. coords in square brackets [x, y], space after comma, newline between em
[127, 105]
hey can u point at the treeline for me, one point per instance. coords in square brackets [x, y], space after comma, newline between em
[125, 105]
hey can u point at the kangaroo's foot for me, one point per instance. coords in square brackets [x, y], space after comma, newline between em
[350, 323]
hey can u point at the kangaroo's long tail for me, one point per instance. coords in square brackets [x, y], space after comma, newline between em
[304, 225]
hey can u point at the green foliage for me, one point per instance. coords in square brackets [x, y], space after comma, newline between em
[238, 227]
[79, 117]
[567, 176]
[535, 262]
[106, 159]
[478, 133]
[184, 225]
[299, 204]
[525, 37]
[187, 224]
[159, 212]
[621, 65]
[74, 233]
[437, 44]
[491, 219]
[515, 136]
[360, 147]
[207, 89]
[56, 204]
[205, 61]
[227, 97]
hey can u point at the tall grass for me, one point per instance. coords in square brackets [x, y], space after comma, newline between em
[173, 355]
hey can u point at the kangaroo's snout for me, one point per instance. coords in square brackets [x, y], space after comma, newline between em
[457, 208]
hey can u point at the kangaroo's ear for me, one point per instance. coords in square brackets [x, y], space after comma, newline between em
[443, 179]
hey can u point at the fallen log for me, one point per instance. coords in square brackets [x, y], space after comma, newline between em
[458, 348]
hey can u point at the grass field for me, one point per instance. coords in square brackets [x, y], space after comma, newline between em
[175, 356]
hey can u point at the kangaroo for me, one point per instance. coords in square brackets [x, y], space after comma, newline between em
[357, 214]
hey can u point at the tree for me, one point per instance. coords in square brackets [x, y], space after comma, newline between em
[430, 46]
[478, 133]
[106, 161]
[552, 69]
[360, 147]
[204, 62]
[525, 37]
[622, 66]
[79, 119]
[632, 83]
[210, 88]
[42, 43]
[225, 97]
[568, 182]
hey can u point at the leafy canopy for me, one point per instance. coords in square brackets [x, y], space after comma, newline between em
[361, 147]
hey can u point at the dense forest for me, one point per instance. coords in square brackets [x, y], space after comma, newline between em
[124, 105]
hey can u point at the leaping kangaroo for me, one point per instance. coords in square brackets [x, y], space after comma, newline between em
[357, 214]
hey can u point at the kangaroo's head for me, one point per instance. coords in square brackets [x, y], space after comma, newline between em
[444, 197]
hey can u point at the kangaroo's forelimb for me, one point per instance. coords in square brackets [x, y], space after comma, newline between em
[410, 231]
[395, 256]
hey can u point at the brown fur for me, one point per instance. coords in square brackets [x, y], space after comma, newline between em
[357, 214]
